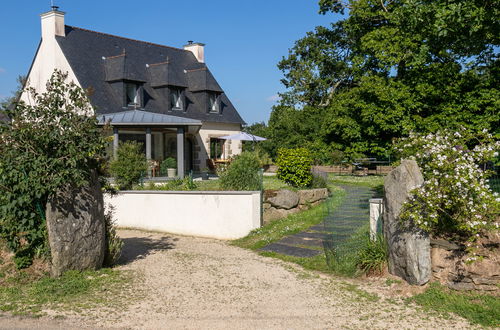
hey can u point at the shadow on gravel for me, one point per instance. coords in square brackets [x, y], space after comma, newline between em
[135, 248]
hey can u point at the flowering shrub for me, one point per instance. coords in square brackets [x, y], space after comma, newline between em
[455, 198]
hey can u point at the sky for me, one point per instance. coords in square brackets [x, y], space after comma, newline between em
[244, 39]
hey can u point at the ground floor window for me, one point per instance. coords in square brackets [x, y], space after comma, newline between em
[216, 148]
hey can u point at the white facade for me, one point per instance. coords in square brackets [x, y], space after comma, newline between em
[49, 56]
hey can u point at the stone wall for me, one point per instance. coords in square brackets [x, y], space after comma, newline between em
[451, 267]
[281, 203]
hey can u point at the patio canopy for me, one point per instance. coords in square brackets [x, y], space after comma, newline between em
[243, 136]
[145, 118]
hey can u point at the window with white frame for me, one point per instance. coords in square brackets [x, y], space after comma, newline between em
[176, 102]
[132, 92]
[213, 102]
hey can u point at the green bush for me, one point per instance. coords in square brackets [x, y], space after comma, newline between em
[294, 166]
[372, 257]
[169, 162]
[114, 243]
[185, 184]
[129, 166]
[52, 142]
[358, 254]
[242, 173]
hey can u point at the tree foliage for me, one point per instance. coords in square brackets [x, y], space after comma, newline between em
[387, 68]
[50, 143]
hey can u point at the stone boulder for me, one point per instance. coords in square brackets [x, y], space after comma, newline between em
[409, 246]
[283, 199]
[76, 228]
[312, 195]
[273, 213]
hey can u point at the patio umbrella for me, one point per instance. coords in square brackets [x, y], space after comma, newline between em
[243, 136]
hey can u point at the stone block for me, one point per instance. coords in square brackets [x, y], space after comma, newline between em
[461, 286]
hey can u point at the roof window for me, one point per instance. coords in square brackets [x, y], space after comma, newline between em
[132, 94]
[176, 98]
[213, 102]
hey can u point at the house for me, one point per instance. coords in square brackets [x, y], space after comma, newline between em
[163, 97]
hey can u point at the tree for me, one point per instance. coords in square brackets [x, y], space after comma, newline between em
[48, 145]
[390, 67]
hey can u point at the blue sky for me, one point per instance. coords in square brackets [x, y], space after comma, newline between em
[244, 39]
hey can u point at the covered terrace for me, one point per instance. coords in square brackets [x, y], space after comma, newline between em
[143, 124]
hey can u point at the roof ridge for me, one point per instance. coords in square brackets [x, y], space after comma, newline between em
[130, 39]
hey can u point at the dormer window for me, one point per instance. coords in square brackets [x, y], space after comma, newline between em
[132, 94]
[213, 102]
[176, 102]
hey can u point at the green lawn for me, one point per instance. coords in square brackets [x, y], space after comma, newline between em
[477, 308]
[21, 295]
[373, 181]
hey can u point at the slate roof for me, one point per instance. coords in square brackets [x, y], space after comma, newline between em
[139, 117]
[99, 59]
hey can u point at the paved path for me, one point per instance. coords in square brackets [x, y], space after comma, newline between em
[195, 283]
[338, 225]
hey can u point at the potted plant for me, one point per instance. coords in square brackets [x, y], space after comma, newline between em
[170, 164]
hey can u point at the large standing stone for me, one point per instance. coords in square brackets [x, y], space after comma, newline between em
[76, 228]
[409, 246]
[283, 199]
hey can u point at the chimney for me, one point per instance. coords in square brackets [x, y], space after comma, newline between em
[53, 23]
[198, 49]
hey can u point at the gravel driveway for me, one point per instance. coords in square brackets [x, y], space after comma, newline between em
[199, 283]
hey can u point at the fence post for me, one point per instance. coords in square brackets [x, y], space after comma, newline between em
[376, 210]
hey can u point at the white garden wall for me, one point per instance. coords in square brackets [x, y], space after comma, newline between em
[215, 214]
